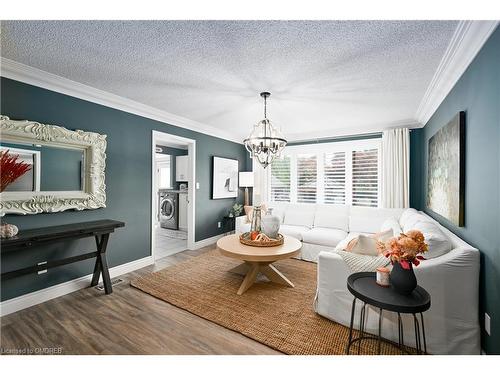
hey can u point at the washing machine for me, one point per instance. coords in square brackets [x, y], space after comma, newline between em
[169, 210]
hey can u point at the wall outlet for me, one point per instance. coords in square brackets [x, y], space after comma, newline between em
[487, 324]
[219, 224]
[197, 186]
[42, 271]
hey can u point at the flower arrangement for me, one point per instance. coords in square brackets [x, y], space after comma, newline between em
[405, 249]
[10, 169]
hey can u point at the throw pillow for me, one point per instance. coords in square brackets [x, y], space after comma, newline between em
[384, 235]
[365, 245]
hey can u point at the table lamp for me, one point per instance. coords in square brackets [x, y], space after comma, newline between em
[246, 181]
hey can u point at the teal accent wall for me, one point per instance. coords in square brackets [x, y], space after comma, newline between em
[478, 94]
[128, 183]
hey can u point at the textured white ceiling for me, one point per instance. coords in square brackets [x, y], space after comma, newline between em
[326, 77]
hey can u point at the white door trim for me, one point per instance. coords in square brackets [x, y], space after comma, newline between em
[159, 136]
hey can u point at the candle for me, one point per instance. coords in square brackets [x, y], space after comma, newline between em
[383, 276]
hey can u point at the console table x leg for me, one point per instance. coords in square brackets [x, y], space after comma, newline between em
[101, 264]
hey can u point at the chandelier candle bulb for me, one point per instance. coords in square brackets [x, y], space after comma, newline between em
[383, 276]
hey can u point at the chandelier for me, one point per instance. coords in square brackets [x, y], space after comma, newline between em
[265, 142]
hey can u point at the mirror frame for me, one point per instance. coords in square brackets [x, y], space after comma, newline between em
[93, 146]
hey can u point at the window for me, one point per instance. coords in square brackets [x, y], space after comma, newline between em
[329, 173]
[334, 177]
[365, 178]
[280, 180]
[163, 165]
[306, 178]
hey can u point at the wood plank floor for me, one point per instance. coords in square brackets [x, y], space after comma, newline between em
[126, 322]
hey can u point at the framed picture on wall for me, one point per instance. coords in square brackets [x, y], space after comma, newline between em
[446, 171]
[225, 178]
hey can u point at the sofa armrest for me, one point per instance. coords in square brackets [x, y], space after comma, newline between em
[239, 222]
[332, 296]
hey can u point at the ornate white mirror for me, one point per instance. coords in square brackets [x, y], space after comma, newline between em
[66, 168]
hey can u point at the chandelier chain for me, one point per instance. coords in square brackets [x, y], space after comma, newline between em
[265, 106]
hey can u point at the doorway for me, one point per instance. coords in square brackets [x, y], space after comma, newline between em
[172, 193]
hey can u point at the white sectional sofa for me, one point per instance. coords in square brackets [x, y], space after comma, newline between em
[323, 227]
[450, 274]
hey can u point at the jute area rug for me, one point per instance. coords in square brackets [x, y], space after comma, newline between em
[278, 316]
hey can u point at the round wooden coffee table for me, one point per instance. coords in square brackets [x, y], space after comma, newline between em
[258, 259]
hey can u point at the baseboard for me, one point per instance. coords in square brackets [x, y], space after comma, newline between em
[207, 241]
[22, 302]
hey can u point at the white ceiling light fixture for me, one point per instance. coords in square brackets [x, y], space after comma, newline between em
[265, 142]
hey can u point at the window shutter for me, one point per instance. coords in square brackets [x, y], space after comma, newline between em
[306, 178]
[334, 178]
[280, 180]
[365, 178]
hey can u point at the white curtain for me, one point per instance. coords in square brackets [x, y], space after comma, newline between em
[396, 168]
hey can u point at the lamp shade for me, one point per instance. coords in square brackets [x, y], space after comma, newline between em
[246, 179]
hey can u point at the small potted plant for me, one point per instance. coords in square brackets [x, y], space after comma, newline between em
[404, 252]
[236, 210]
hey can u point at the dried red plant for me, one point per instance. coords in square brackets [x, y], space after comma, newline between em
[10, 169]
[405, 249]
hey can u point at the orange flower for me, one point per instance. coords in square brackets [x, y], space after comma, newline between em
[405, 249]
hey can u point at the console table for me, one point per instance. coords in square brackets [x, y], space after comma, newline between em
[27, 239]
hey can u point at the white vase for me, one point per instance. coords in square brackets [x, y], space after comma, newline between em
[270, 224]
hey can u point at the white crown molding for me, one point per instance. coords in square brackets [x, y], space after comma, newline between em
[467, 41]
[34, 298]
[36, 77]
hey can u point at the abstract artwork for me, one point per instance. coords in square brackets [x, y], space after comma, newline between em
[225, 179]
[446, 171]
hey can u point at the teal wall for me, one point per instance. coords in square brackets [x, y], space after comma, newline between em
[478, 94]
[128, 182]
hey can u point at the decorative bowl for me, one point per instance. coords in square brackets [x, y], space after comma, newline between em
[265, 242]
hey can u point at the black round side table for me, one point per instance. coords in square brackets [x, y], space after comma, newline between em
[363, 286]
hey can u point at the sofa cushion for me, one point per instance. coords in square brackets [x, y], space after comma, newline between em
[409, 212]
[295, 231]
[366, 224]
[301, 217]
[324, 236]
[412, 221]
[393, 224]
[334, 216]
[439, 243]
[370, 219]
